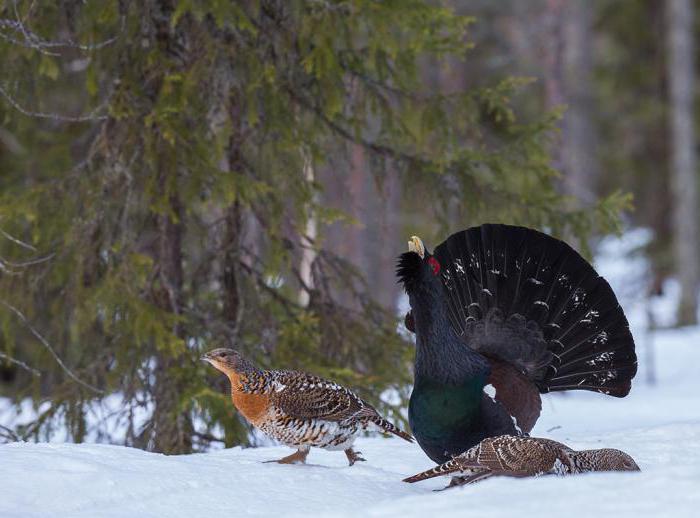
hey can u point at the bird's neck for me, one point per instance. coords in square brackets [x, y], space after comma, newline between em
[235, 380]
[244, 381]
[440, 354]
[247, 396]
[583, 460]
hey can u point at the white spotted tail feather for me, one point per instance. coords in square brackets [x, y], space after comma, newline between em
[530, 300]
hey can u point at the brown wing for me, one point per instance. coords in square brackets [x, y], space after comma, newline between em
[515, 456]
[305, 396]
[519, 396]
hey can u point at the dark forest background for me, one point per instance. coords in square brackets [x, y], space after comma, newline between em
[177, 175]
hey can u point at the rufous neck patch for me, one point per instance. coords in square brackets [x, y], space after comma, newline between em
[253, 407]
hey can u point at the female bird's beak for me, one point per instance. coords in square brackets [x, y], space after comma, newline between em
[416, 245]
[205, 358]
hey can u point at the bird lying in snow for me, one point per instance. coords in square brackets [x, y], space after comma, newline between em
[298, 409]
[511, 456]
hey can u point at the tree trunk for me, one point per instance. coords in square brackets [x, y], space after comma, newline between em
[580, 164]
[234, 217]
[679, 31]
[233, 300]
[171, 426]
[553, 69]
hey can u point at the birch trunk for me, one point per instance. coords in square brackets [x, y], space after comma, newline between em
[308, 240]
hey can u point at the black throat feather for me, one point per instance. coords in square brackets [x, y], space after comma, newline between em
[440, 354]
[408, 270]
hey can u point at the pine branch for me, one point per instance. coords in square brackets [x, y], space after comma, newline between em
[374, 147]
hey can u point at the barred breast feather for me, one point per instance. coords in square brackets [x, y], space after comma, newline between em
[303, 409]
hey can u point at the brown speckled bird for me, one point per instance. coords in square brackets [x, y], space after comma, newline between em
[511, 456]
[298, 409]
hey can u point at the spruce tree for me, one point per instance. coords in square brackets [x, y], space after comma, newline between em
[156, 188]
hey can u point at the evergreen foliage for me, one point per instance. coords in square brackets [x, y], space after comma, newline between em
[154, 200]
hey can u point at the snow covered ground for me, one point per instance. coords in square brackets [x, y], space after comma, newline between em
[658, 425]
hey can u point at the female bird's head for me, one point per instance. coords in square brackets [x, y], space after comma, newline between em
[229, 361]
[418, 269]
[610, 459]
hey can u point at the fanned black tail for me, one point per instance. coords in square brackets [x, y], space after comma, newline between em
[524, 297]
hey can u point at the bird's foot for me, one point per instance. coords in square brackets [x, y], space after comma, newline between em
[298, 457]
[471, 477]
[455, 482]
[354, 456]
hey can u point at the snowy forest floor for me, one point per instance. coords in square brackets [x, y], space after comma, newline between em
[659, 425]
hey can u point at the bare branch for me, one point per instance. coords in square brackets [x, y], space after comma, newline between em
[19, 363]
[4, 263]
[4, 268]
[31, 40]
[15, 41]
[34, 41]
[18, 241]
[207, 437]
[9, 434]
[46, 344]
[53, 116]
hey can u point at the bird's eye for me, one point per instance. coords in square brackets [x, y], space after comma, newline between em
[222, 355]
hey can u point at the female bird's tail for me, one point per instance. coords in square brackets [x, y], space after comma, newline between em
[390, 428]
[451, 466]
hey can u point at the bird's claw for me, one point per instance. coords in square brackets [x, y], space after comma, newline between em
[354, 456]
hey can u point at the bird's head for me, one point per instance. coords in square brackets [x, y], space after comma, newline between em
[610, 459]
[228, 361]
[418, 268]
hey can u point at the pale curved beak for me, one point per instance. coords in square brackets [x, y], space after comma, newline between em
[416, 245]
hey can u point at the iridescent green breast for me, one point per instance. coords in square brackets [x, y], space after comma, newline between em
[446, 419]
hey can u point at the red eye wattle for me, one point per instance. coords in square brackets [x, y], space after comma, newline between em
[435, 265]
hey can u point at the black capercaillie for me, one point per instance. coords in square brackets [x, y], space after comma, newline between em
[515, 309]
